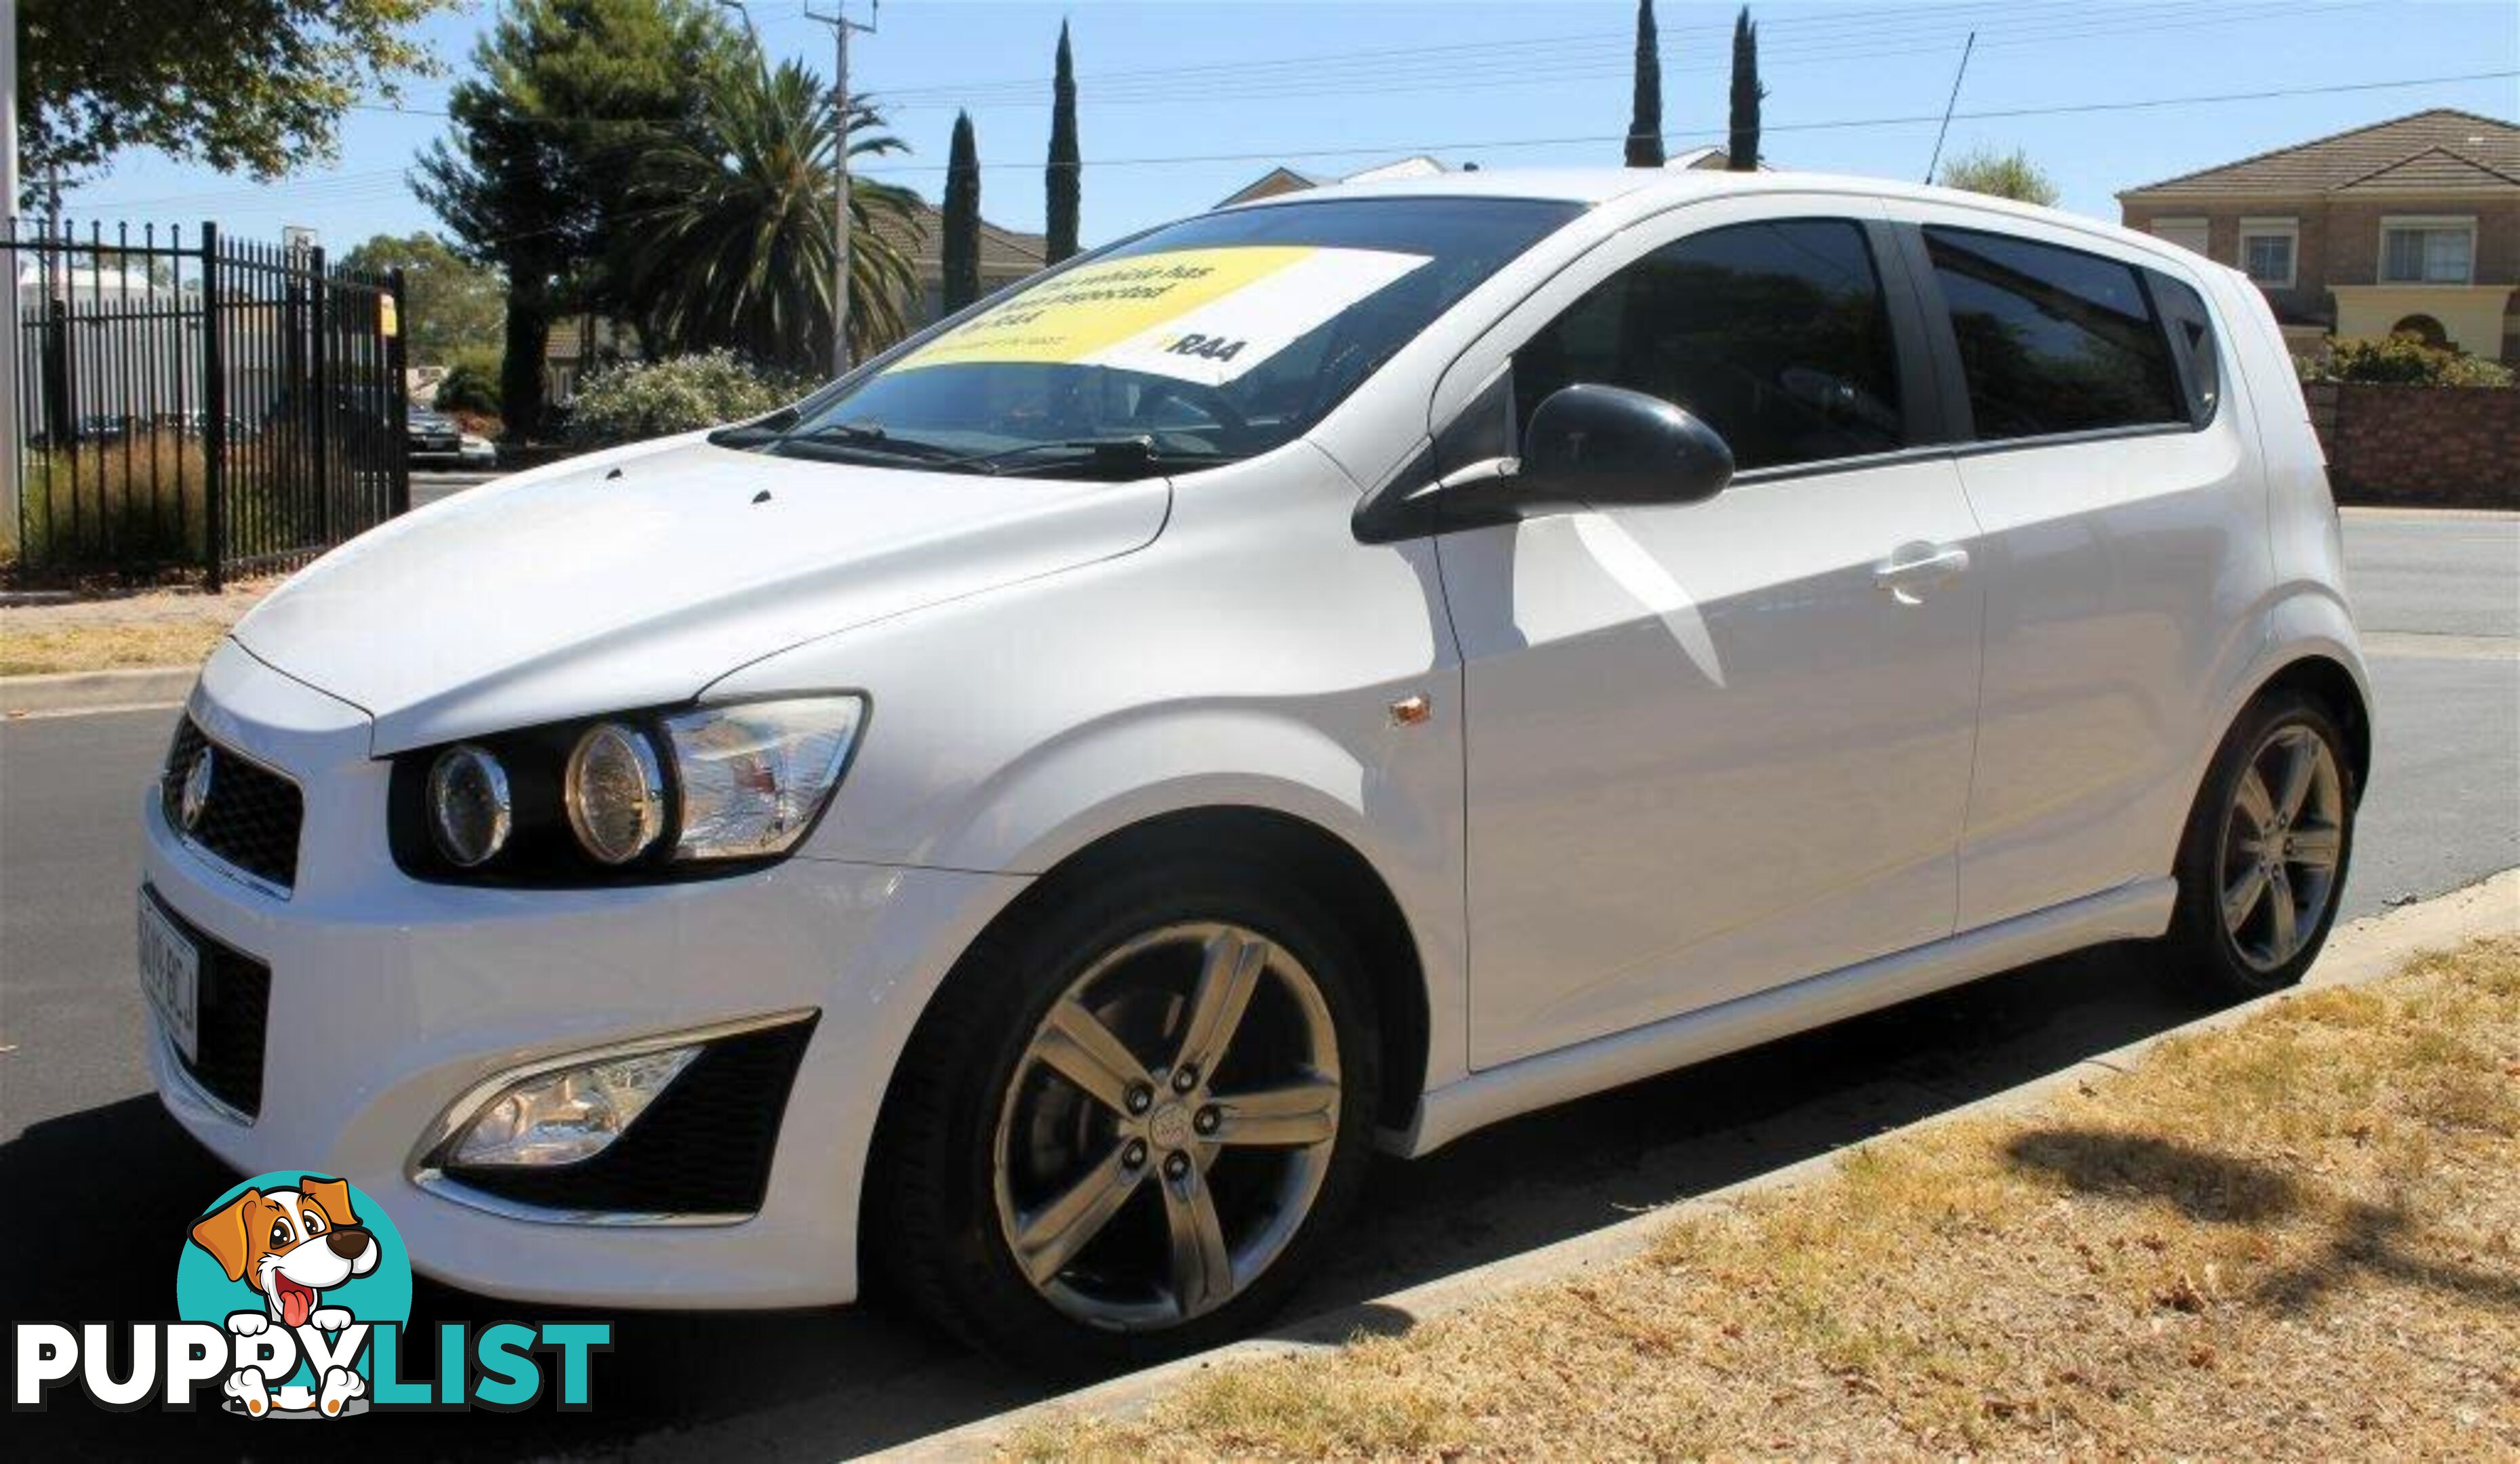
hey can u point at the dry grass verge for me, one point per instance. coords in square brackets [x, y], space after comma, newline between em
[2298, 1236]
[106, 645]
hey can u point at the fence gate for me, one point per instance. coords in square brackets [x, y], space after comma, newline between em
[198, 403]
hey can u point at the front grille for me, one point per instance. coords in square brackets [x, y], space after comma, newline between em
[234, 1001]
[702, 1147]
[251, 816]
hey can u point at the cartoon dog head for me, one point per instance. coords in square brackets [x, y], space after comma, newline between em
[289, 1244]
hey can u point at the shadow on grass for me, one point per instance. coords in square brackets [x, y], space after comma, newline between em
[2219, 1189]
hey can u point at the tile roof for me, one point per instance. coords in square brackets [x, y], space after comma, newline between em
[921, 239]
[2442, 148]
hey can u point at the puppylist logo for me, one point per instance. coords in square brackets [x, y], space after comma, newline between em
[294, 1293]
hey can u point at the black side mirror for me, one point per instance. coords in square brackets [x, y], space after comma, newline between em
[1593, 446]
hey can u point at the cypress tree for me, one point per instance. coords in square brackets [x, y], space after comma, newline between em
[1644, 122]
[1065, 178]
[1742, 152]
[962, 217]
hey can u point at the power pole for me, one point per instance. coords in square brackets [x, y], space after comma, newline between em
[840, 23]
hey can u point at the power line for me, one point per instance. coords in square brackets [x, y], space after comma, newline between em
[1922, 118]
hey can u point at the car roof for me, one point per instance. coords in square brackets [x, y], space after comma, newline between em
[1600, 185]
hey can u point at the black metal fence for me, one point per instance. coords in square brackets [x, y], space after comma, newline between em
[198, 402]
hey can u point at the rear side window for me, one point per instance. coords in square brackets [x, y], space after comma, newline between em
[2052, 339]
[1776, 335]
[2191, 343]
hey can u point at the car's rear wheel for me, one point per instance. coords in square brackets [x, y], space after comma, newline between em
[1130, 1119]
[2265, 857]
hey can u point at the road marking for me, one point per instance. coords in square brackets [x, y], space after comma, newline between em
[2425, 646]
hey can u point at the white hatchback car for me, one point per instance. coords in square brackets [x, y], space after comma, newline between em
[1023, 823]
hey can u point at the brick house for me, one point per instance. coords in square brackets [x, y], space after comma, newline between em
[2412, 224]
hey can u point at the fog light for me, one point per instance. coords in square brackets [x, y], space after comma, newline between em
[569, 1114]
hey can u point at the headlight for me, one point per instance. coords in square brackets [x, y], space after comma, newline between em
[615, 793]
[566, 1116]
[754, 774]
[469, 807]
[673, 793]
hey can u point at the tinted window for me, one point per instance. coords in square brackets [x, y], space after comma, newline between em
[1776, 335]
[2192, 338]
[2051, 339]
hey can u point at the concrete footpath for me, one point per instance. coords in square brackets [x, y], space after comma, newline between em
[2361, 951]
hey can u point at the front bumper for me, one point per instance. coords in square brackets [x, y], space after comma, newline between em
[391, 997]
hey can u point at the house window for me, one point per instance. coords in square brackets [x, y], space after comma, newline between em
[2427, 251]
[2189, 234]
[2267, 251]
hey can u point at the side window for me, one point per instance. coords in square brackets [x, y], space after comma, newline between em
[2051, 339]
[2192, 338]
[1776, 335]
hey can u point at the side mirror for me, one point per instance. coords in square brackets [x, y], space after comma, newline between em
[1596, 445]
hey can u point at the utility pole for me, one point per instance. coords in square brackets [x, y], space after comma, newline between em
[840, 23]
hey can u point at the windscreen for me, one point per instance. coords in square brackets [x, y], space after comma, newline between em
[1207, 341]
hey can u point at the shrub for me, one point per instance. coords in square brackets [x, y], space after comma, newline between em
[658, 398]
[472, 384]
[2405, 361]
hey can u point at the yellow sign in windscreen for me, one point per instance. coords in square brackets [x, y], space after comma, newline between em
[1201, 315]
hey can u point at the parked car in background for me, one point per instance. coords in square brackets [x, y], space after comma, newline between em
[1331, 673]
[433, 434]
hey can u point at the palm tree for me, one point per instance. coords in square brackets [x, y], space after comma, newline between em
[735, 243]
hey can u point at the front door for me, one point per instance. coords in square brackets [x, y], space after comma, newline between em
[1718, 747]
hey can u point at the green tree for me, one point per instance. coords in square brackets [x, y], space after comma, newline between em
[566, 98]
[1742, 152]
[2005, 175]
[961, 246]
[256, 86]
[1065, 178]
[734, 249]
[450, 304]
[1644, 117]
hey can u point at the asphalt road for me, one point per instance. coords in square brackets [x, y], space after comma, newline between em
[2440, 596]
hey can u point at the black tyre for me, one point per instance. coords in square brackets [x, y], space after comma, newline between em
[2264, 859]
[1129, 1121]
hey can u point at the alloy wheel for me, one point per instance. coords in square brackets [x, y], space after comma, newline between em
[1168, 1127]
[2283, 838]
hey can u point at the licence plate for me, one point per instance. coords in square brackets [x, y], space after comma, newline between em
[170, 977]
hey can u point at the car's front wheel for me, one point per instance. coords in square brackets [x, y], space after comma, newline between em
[1130, 1119]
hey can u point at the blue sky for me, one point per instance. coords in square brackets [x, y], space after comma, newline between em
[1184, 102]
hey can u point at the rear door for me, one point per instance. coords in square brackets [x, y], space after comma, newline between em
[1716, 748]
[2117, 483]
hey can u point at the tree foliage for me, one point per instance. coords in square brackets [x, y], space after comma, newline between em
[961, 244]
[450, 303]
[566, 98]
[254, 86]
[1644, 117]
[658, 398]
[2404, 360]
[1066, 174]
[1742, 149]
[2004, 175]
[735, 243]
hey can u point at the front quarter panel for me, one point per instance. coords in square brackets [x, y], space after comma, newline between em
[1250, 658]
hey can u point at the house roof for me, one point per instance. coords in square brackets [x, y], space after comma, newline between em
[2425, 151]
[921, 238]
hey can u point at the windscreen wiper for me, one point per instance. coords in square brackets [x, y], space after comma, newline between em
[1136, 452]
[870, 437]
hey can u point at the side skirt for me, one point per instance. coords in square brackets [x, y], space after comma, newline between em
[2134, 912]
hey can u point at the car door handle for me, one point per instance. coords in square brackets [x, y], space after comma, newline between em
[1913, 567]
